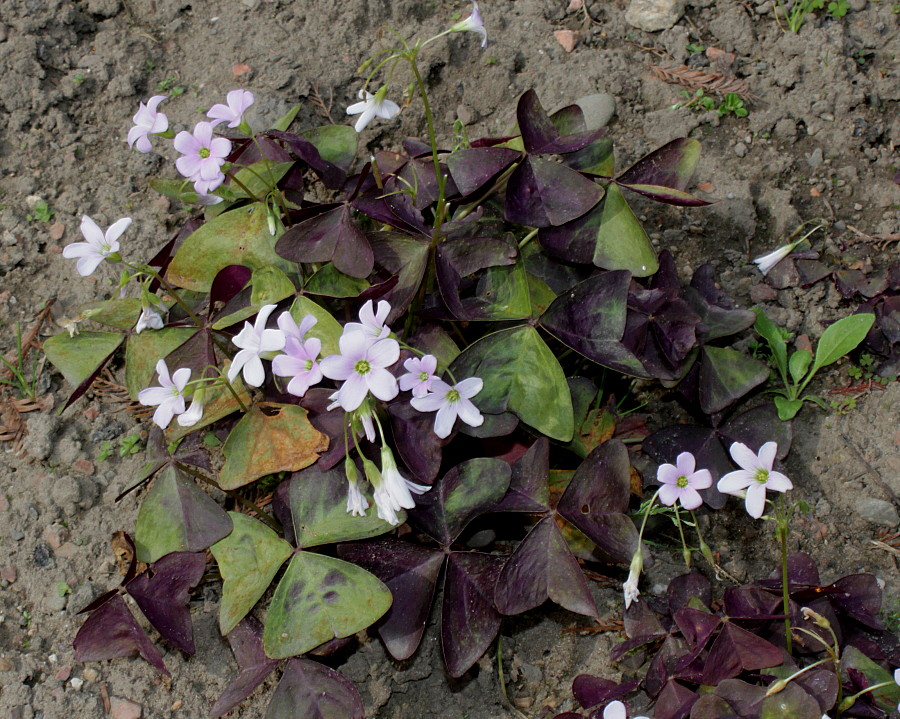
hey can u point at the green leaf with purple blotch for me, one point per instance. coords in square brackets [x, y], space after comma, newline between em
[248, 560]
[320, 598]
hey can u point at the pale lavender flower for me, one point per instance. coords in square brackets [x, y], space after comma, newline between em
[299, 363]
[616, 710]
[99, 246]
[420, 375]
[767, 262]
[680, 482]
[362, 367]
[169, 396]
[232, 113]
[290, 329]
[450, 403]
[754, 477]
[371, 323]
[147, 121]
[372, 106]
[473, 23]
[255, 340]
[395, 490]
[150, 318]
[194, 412]
[203, 157]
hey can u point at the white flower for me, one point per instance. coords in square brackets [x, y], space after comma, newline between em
[630, 588]
[616, 710]
[767, 262]
[420, 375]
[194, 412]
[149, 318]
[755, 476]
[169, 395]
[371, 323]
[450, 403]
[99, 245]
[473, 23]
[680, 482]
[362, 367]
[232, 113]
[372, 106]
[357, 504]
[255, 340]
[147, 121]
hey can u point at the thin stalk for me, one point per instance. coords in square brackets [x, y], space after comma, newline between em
[441, 180]
[782, 529]
[240, 184]
[528, 238]
[685, 552]
[171, 290]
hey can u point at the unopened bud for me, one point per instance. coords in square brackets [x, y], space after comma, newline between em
[814, 617]
[776, 687]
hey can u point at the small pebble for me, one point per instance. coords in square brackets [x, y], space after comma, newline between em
[90, 675]
[740, 149]
[76, 683]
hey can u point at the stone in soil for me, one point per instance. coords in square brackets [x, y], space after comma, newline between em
[878, 511]
[124, 709]
[654, 15]
[598, 109]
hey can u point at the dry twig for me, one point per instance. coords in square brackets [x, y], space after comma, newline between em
[707, 81]
[316, 99]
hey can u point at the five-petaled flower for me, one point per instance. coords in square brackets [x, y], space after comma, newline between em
[473, 23]
[255, 340]
[232, 113]
[450, 403]
[372, 106]
[99, 246]
[420, 375]
[680, 482]
[299, 363]
[362, 367]
[755, 476]
[169, 396]
[147, 121]
[203, 157]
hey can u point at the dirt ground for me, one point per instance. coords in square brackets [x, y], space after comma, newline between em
[818, 142]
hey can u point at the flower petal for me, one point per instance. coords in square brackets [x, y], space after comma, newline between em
[92, 233]
[254, 374]
[734, 482]
[685, 463]
[116, 229]
[690, 498]
[756, 500]
[384, 353]
[353, 392]
[744, 457]
[444, 420]
[701, 479]
[779, 482]
[469, 413]
[767, 454]
[469, 387]
[667, 474]
[382, 384]
[669, 494]
[429, 403]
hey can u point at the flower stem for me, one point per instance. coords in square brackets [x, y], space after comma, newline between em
[851, 700]
[168, 288]
[685, 552]
[782, 530]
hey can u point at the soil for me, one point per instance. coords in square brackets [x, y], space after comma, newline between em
[818, 142]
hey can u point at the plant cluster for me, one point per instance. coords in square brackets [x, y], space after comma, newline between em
[450, 330]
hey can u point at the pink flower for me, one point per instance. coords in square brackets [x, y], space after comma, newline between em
[371, 323]
[420, 375]
[233, 112]
[255, 340]
[450, 403]
[169, 396]
[147, 121]
[362, 367]
[680, 482]
[99, 246]
[290, 329]
[203, 158]
[755, 476]
[299, 363]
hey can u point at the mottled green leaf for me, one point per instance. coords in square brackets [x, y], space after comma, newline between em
[119, 313]
[888, 697]
[331, 282]
[268, 286]
[318, 599]
[77, 357]
[727, 375]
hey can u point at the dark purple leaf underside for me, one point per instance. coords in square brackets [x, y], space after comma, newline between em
[542, 568]
[671, 165]
[596, 500]
[473, 168]
[590, 318]
[469, 489]
[696, 626]
[411, 573]
[736, 649]
[332, 175]
[253, 665]
[161, 592]
[228, 282]
[328, 422]
[641, 621]
[664, 663]
[405, 257]
[528, 490]
[589, 691]
[419, 447]
[469, 620]
[541, 193]
[726, 375]
[459, 258]
[110, 632]
[674, 701]
[309, 689]
[687, 587]
[859, 596]
[331, 236]
[757, 426]
[822, 685]
[540, 134]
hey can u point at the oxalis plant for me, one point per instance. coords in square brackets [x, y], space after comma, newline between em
[413, 382]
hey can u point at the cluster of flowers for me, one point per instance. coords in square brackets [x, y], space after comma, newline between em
[367, 352]
[681, 482]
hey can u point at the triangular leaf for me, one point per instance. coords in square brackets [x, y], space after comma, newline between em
[320, 598]
[726, 375]
[621, 241]
[176, 516]
[541, 193]
[77, 357]
[312, 690]
[248, 560]
[671, 165]
[473, 168]
[253, 665]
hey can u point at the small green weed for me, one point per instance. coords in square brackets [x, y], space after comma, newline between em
[864, 381]
[26, 386]
[171, 87]
[128, 445]
[732, 104]
[695, 48]
[41, 212]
